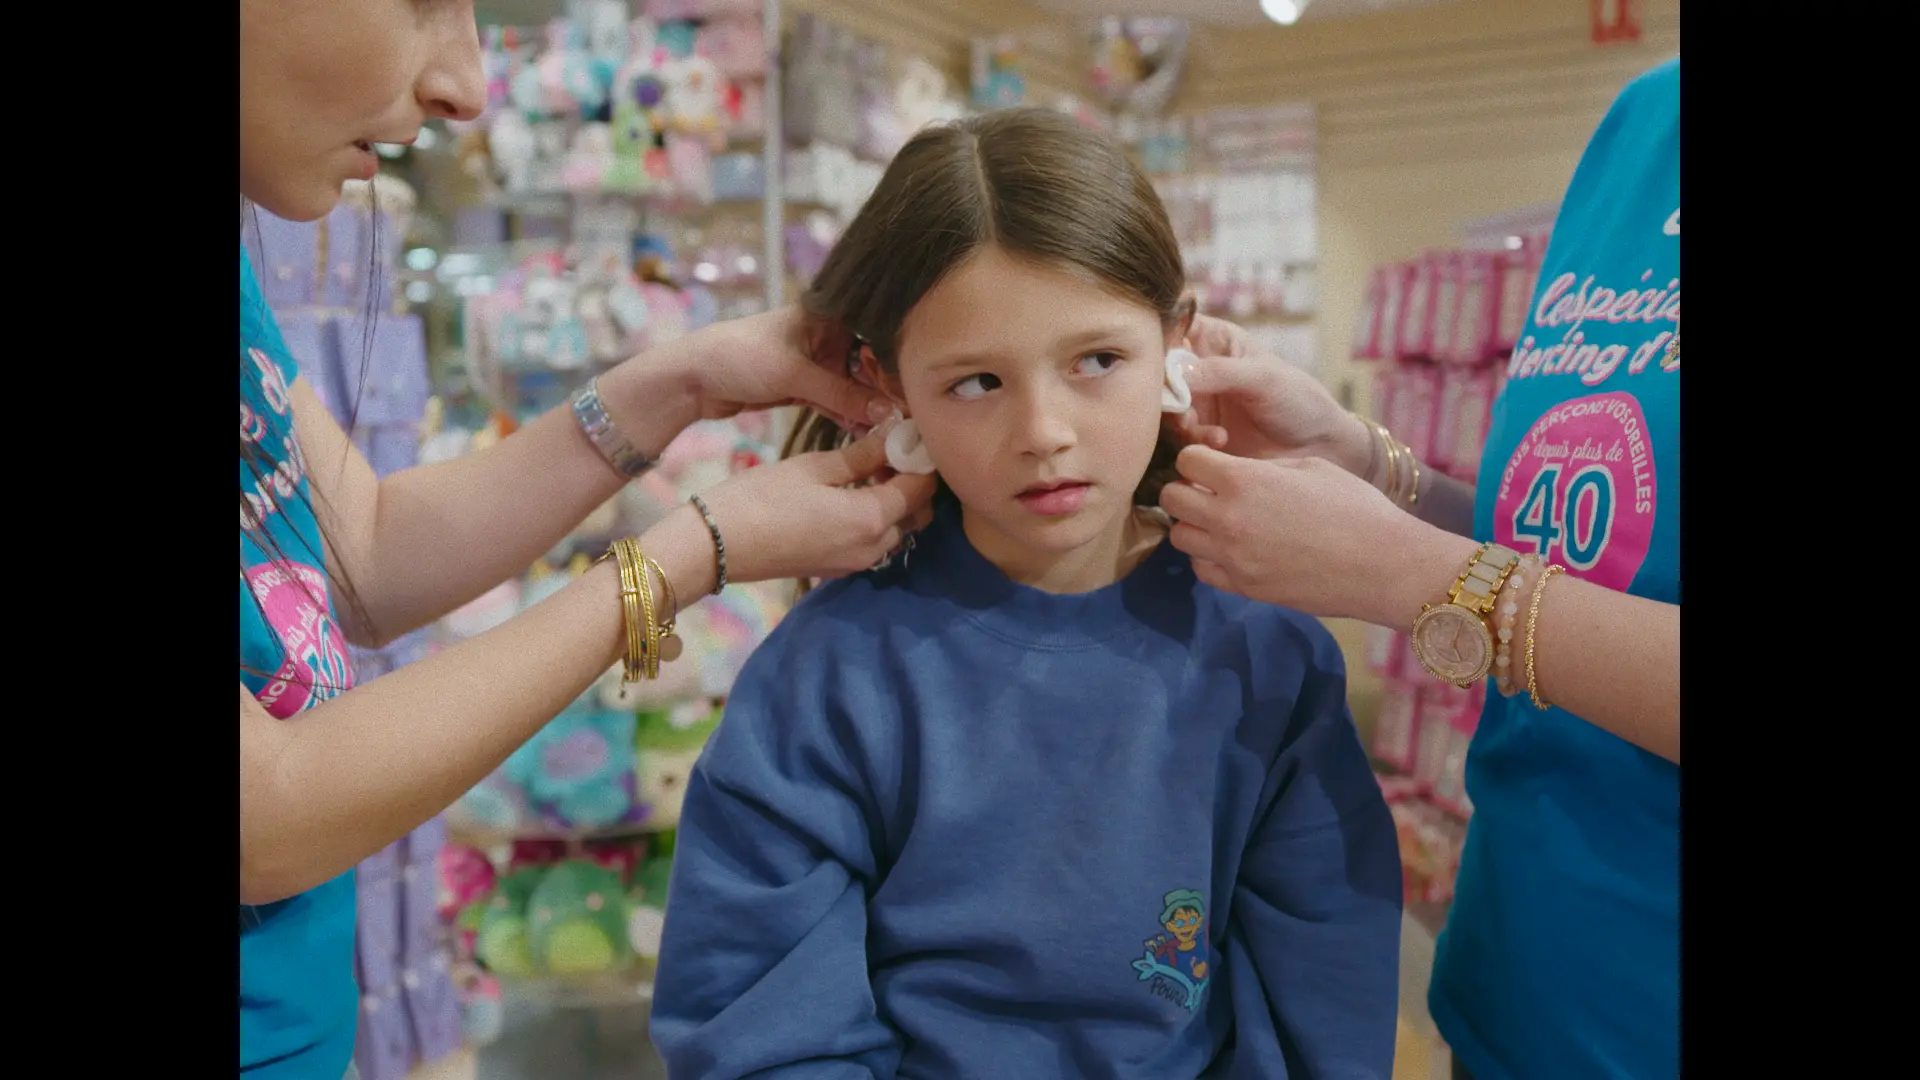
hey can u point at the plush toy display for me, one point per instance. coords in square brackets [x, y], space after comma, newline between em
[997, 81]
[591, 109]
[577, 920]
[561, 857]
[1137, 63]
[502, 943]
[482, 1010]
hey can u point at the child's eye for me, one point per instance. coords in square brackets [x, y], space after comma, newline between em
[974, 386]
[1102, 362]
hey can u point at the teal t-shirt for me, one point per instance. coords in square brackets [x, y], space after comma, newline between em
[1561, 957]
[298, 998]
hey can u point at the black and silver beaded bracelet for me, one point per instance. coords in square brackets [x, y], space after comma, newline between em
[719, 544]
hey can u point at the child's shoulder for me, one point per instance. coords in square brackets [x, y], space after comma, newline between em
[1270, 629]
[837, 625]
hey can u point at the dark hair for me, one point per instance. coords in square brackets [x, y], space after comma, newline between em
[259, 466]
[1035, 183]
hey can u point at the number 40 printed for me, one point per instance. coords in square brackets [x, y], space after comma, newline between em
[1576, 518]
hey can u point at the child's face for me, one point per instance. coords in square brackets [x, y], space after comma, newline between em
[1038, 395]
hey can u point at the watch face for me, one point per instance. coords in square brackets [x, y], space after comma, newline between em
[1453, 644]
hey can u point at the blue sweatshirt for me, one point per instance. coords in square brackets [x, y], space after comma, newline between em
[955, 827]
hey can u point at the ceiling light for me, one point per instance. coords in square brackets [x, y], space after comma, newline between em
[1284, 12]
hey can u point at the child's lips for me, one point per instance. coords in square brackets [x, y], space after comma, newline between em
[1056, 498]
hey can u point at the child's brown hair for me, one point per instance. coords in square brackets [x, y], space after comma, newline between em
[1035, 183]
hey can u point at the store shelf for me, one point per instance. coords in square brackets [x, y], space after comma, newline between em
[606, 992]
[462, 1064]
[469, 836]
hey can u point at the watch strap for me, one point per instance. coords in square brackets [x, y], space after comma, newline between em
[1480, 583]
[606, 437]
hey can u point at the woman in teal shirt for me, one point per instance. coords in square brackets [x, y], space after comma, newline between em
[329, 775]
[1561, 956]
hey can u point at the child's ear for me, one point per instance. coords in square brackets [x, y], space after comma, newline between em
[1183, 316]
[871, 373]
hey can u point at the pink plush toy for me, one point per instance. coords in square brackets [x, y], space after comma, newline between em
[466, 879]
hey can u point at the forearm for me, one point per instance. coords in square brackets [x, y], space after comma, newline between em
[1610, 658]
[444, 534]
[1439, 499]
[1444, 503]
[323, 791]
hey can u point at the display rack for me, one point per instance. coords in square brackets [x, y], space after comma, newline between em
[1240, 186]
[1434, 329]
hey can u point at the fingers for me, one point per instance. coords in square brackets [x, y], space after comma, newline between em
[1195, 541]
[1211, 375]
[1190, 429]
[905, 498]
[833, 393]
[1211, 336]
[1212, 573]
[857, 461]
[1183, 502]
[1209, 468]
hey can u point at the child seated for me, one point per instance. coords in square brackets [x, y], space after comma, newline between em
[1031, 801]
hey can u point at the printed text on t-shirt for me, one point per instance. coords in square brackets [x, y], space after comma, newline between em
[1563, 308]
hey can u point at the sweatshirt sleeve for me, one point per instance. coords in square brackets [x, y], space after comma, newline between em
[763, 961]
[1314, 935]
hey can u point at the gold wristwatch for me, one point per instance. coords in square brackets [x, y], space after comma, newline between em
[1454, 640]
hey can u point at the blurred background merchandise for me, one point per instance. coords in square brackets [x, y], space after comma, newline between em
[1366, 185]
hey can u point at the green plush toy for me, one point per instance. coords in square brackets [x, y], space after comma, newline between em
[501, 943]
[577, 920]
[650, 881]
[667, 743]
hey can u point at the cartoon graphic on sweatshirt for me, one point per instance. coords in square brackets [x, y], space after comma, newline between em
[1175, 964]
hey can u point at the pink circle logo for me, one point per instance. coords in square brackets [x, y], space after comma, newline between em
[1580, 490]
[316, 667]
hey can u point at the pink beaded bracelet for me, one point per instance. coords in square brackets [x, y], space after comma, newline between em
[1506, 613]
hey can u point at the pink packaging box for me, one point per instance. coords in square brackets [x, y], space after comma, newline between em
[1393, 303]
[1366, 339]
[1445, 309]
[1474, 327]
[1416, 314]
[1396, 729]
[1416, 401]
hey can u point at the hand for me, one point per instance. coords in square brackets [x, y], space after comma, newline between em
[1264, 407]
[1209, 336]
[762, 361]
[1302, 533]
[815, 515]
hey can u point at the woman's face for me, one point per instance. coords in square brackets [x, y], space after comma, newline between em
[321, 81]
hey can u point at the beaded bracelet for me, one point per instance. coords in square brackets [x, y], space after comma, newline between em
[1506, 614]
[719, 544]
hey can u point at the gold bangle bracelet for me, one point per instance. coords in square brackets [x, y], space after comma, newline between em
[1393, 458]
[669, 642]
[650, 629]
[1413, 492]
[1533, 620]
[630, 614]
[1378, 437]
